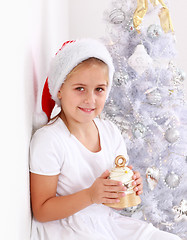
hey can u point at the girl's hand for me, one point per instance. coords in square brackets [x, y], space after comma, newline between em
[106, 190]
[138, 184]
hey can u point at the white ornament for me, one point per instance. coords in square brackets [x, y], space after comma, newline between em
[152, 176]
[140, 60]
[172, 135]
[181, 210]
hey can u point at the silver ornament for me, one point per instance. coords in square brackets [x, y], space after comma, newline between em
[152, 176]
[154, 97]
[117, 16]
[172, 135]
[120, 78]
[154, 31]
[138, 130]
[172, 180]
[181, 210]
[110, 108]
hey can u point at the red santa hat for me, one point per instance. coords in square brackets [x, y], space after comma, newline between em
[69, 56]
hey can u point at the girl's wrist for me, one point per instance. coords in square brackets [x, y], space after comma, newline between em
[89, 196]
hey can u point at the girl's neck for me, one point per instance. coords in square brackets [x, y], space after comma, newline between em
[78, 129]
[86, 133]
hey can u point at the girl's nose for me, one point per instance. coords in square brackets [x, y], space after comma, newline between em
[89, 98]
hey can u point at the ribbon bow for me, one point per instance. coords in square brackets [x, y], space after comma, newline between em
[164, 15]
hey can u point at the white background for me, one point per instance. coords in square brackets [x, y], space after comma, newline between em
[31, 32]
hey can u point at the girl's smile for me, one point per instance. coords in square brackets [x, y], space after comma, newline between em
[83, 94]
[87, 110]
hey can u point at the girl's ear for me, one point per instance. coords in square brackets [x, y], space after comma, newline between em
[59, 94]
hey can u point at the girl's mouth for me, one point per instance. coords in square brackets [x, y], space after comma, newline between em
[86, 110]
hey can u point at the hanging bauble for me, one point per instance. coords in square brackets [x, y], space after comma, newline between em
[181, 210]
[130, 210]
[172, 180]
[117, 16]
[154, 97]
[120, 78]
[110, 108]
[140, 60]
[154, 31]
[138, 130]
[152, 176]
[172, 135]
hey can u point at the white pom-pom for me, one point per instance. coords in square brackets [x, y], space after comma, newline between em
[39, 120]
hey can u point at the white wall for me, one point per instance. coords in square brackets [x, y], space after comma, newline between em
[86, 18]
[31, 32]
[15, 122]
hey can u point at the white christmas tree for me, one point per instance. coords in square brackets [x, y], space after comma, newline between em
[147, 103]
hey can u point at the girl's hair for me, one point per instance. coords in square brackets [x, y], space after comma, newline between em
[88, 62]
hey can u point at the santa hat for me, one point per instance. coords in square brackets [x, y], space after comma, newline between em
[69, 56]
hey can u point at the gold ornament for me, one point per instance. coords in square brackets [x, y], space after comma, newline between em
[124, 174]
[141, 10]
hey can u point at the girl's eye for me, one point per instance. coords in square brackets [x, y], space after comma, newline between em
[80, 89]
[99, 89]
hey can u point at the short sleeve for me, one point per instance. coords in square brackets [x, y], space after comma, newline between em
[46, 153]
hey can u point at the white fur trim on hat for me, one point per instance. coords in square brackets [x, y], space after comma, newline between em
[70, 56]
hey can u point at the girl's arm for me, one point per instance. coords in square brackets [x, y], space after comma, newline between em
[47, 207]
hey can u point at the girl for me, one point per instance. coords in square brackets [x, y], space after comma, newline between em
[70, 157]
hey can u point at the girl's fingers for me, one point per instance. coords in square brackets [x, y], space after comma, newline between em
[136, 175]
[137, 182]
[139, 192]
[115, 188]
[130, 166]
[109, 182]
[105, 174]
[114, 195]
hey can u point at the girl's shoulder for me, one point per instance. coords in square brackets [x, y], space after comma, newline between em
[51, 131]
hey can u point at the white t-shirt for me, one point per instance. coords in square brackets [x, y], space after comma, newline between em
[53, 151]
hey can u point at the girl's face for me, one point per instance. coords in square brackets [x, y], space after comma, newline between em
[83, 94]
